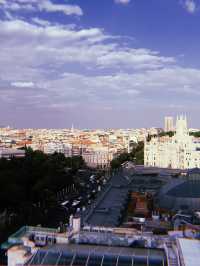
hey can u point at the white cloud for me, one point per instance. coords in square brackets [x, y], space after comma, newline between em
[41, 5]
[190, 6]
[41, 22]
[122, 1]
[16, 5]
[134, 58]
[23, 84]
[67, 9]
[122, 89]
[39, 52]
[58, 45]
[8, 15]
[26, 1]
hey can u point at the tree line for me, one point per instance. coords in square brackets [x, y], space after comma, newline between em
[172, 133]
[28, 185]
[24, 180]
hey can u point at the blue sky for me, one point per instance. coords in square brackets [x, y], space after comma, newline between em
[98, 63]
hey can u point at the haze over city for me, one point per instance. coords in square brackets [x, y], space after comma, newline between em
[108, 63]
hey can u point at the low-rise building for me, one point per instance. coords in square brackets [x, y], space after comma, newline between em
[9, 153]
[98, 158]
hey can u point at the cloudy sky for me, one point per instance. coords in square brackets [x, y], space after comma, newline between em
[98, 63]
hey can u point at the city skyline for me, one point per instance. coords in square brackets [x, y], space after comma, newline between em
[73, 127]
[98, 64]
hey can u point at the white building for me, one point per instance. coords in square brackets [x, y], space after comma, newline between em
[169, 123]
[181, 151]
[98, 158]
[52, 147]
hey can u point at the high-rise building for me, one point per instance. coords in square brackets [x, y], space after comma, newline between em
[169, 123]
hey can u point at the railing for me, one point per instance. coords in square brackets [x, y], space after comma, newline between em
[42, 229]
[16, 238]
[177, 254]
[171, 260]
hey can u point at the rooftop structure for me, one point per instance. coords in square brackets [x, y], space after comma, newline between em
[109, 208]
[182, 193]
[27, 231]
[45, 246]
[189, 250]
[81, 255]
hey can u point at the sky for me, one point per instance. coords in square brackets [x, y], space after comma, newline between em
[99, 63]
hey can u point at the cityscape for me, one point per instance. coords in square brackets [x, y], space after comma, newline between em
[100, 163]
[133, 193]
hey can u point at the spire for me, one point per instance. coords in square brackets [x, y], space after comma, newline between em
[72, 129]
[186, 121]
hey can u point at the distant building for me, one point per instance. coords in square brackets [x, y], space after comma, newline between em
[169, 124]
[52, 147]
[98, 158]
[9, 153]
[181, 151]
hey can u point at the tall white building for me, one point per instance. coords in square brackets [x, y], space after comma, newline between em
[181, 151]
[169, 124]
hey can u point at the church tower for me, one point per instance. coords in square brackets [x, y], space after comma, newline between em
[181, 127]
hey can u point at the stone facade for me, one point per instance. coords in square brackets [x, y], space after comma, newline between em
[181, 151]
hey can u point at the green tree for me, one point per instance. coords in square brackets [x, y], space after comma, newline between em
[136, 155]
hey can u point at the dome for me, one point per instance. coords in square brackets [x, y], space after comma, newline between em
[180, 194]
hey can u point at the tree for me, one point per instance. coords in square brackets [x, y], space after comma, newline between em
[136, 156]
[23, 181]
[195, 134]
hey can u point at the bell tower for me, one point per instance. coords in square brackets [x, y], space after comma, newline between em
[181, 126]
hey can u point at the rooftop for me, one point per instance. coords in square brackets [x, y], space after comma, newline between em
[91, 255]
[113, 200]
[190, 251]
[106, 211]
[25, 231]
